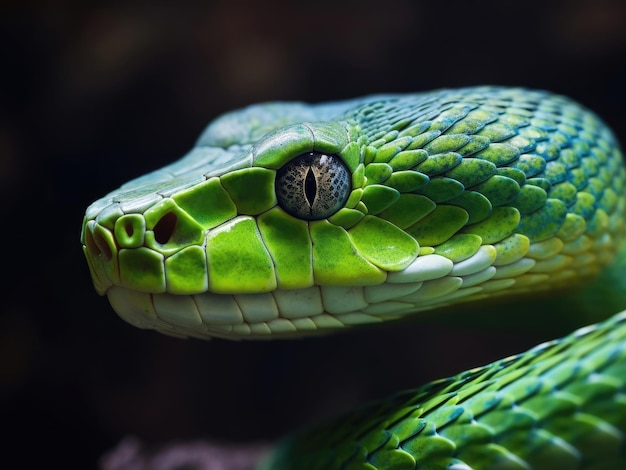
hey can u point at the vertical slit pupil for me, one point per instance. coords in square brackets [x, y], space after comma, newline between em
[310, 186]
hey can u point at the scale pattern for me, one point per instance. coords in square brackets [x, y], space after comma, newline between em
[560, 405]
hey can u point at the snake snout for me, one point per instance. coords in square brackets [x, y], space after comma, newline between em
[160, 250]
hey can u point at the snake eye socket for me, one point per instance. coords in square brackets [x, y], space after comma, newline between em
[313, 185]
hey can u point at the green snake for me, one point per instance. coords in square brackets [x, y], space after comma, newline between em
[289, 219]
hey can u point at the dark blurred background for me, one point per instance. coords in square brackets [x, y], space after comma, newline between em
[92, 95]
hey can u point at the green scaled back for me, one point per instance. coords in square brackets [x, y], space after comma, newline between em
[561, 405]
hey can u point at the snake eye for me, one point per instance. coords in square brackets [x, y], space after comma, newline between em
[313, 185]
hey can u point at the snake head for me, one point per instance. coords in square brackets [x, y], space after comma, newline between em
[287, 218]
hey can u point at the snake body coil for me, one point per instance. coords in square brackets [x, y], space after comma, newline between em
[289, 219]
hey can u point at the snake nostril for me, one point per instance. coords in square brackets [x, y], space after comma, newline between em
[165, 227]
[90, 243]
[102, 246]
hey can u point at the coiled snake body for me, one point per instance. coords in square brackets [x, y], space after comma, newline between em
[289, 219]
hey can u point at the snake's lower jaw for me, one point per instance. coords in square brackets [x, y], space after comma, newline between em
[137, 309]
[209, 315]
